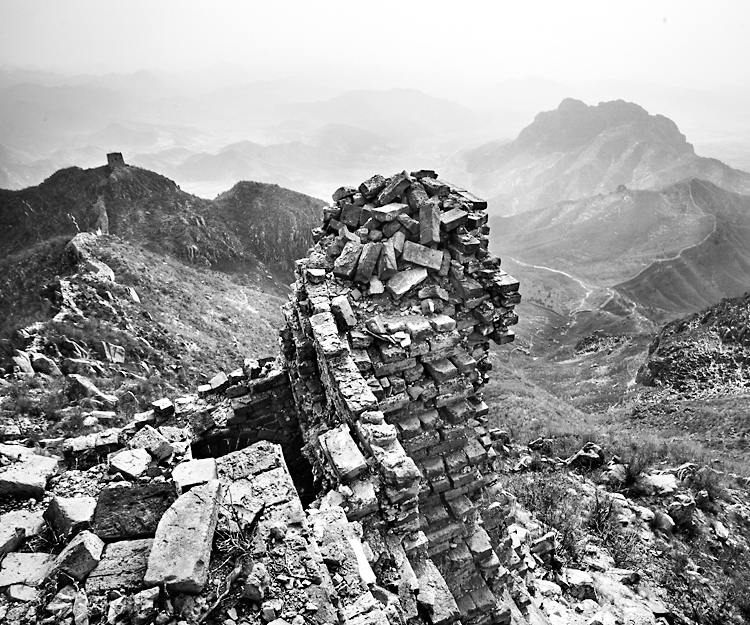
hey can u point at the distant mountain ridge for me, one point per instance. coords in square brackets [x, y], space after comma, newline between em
[577, 151]
[678, 249]
[253, 222]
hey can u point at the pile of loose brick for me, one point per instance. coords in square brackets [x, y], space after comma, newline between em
[387, 342]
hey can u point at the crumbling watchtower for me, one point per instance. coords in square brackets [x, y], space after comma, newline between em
[115, 159]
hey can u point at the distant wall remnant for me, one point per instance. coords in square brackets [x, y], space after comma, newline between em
[115, 159]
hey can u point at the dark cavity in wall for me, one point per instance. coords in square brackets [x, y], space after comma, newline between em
[299, 467]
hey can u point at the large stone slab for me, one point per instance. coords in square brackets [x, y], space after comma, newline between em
[403, 281]
[80, 556]
[433, 594]
[16, 526]
[181, 551]
[122, 566]
[25, 568]
[132, 511]
[194, 472]
[69, 514]
[130, 462]
[421, 255]
[389, 212]
[261, 457]
[27, 474]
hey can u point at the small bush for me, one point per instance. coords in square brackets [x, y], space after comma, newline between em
[548, 498]
[622, 544]
[710, 481]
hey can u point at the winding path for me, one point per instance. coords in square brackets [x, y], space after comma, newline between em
[588, 289]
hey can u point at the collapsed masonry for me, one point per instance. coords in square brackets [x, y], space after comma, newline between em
[376, 389]
[387, 340]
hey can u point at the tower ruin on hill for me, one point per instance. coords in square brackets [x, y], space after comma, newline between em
[115, 159]
[385, 351]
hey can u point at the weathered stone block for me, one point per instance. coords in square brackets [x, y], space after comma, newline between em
[443, 323]
[17, 525]
[346, 264]
[131, 511]
[326, 335]
[452, 219]
[342, 311]
[70, 514]
[27, 474]
[421, 255]
[181, 550]
[390, 212]
[80, 556]
[261, 457]
[29, 569]
[372, 186]
[122, 566]
[367, 261]
[429, 223]
[404, 281]
[441, 370]
[343, 192]
[130, 462]
[395, 187]
[398, 241]
[411, 224]
[350, 215]
[387, 266]
[152, 441]
[343, 453]
[194, 472]
[434, 595]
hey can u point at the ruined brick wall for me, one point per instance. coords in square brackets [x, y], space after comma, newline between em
[386, 343]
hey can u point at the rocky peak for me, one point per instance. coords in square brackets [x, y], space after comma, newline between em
[574, 124]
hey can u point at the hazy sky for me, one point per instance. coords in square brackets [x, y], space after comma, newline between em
[681, 42]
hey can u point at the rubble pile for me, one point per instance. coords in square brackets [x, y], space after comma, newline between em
[193, 511]
[387, 341]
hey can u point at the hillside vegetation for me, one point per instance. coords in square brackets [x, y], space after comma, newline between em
[250, 224]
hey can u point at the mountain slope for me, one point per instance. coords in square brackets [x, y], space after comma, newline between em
[146, 208]
[678, 249]
[576, 151]
[716, 267]
[705, 354]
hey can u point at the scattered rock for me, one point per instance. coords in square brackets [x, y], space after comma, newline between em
[80, 556]
[182, 545]
[29, 569]
[27, 473]
[67, 515]
[122, 565]
[131, 511]
[130, 462]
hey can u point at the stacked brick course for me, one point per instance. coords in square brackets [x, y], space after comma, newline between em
[387, 340]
